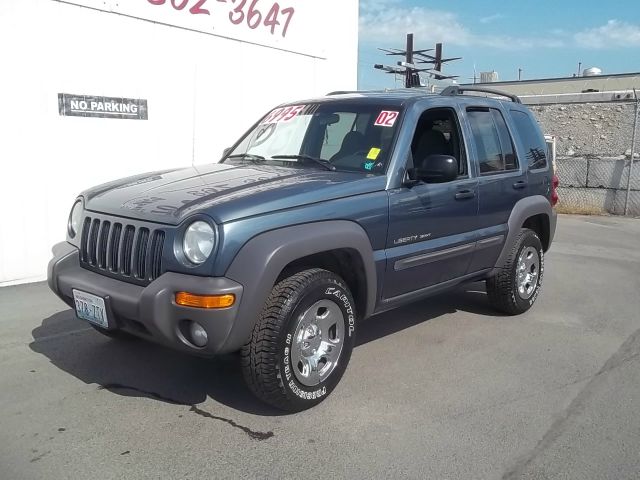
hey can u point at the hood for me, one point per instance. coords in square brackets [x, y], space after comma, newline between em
[225, 192]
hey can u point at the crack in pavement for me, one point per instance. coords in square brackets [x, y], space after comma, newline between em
[154, 395]
[629, 350]
[40, 457]
[253, 434]
[516, 399]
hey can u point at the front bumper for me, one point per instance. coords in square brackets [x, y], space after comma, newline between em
[150, 312]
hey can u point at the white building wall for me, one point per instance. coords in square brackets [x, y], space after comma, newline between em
[202, 91]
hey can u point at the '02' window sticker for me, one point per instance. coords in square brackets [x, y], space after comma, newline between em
[284, 114]
[386, 118]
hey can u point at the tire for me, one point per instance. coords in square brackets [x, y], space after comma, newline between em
[308, 320]
[114, 334]
[511, 291]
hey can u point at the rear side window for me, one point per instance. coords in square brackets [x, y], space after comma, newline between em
[532, 139]
[493, 142]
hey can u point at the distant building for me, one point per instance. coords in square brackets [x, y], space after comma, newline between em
[590, 82]
[489, 77]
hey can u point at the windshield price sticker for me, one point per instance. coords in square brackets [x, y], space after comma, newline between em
[284, 114]
[386, 118]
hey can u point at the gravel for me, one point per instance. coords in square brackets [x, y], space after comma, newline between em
[599, 129]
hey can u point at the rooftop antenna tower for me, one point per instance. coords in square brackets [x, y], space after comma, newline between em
[411, 67]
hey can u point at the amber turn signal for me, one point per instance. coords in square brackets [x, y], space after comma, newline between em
[205, 301]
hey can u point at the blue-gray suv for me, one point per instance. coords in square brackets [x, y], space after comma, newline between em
[326, 212]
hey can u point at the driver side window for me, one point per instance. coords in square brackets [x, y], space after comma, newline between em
[438, 133]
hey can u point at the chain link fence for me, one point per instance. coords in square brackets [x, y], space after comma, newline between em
[598, 185]
[596, 155]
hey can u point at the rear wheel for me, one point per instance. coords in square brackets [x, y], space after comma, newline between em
[302, 343]
[516, 287]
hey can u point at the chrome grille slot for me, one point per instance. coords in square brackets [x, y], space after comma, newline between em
[141, 252]
[114, 246]
[102, 244]
[127, 250]
[156, 253]
[83, 242]
[132, 253]
[93, 241]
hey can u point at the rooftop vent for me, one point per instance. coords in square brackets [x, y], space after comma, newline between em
[592, 72]
[489, 77]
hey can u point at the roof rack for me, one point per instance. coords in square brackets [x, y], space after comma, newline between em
[458, 90]
[413, 90]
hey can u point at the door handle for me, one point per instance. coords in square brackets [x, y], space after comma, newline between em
[520, 184]
[463, 194]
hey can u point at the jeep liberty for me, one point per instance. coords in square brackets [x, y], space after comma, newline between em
[326, 212]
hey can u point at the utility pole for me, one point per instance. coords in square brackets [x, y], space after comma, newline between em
[519, 74]
[633, 150]
[437, 65]
[408, 76]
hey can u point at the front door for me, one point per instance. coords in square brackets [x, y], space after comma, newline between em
[432, 226]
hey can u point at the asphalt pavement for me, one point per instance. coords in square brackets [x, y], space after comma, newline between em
[441, 389]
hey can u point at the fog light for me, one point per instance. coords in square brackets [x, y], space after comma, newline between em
[198, 335]
[205, 301]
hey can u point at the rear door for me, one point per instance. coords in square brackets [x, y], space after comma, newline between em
[533, 146]
[502, 180]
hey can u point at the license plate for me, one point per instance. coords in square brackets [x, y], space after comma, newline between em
[91, 308]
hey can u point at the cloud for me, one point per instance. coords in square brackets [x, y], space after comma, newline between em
[392, 23]
[382, 22]
[492, 18]
[612, 34]
[376, 5]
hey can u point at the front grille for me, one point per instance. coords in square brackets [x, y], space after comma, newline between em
[130, 252]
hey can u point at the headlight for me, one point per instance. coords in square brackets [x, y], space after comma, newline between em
[198, 242]
[75, 219]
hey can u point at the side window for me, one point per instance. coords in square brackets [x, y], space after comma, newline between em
[532, 139]
[335, 134]
[493, 142]
[509, 154]
[438, 133]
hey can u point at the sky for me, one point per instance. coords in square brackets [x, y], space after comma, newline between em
[545, 38]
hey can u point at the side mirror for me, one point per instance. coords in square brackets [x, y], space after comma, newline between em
[435, 169]
[226, 151]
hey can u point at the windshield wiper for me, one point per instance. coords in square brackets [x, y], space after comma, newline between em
[320, 161]
[248, 156]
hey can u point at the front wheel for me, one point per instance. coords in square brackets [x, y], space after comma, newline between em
[516, 287]
[302, 343]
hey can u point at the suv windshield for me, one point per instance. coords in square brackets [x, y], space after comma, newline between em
[347, 136]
